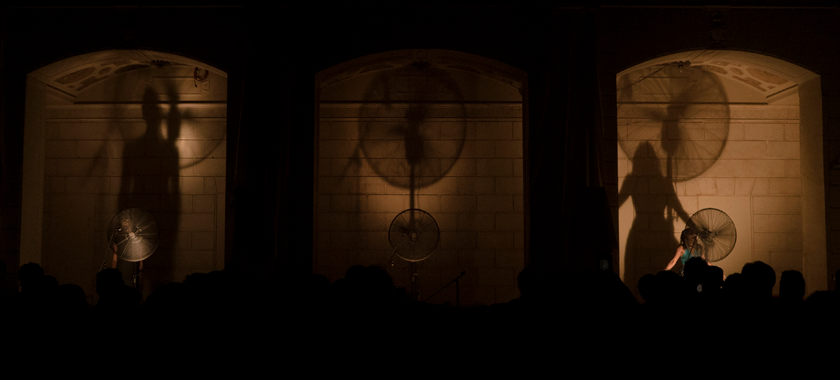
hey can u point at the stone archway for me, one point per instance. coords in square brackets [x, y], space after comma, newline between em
[430, 129]
[737, 131]
[118, 129]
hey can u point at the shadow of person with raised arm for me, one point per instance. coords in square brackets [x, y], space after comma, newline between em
[651, 241]
[151, 181]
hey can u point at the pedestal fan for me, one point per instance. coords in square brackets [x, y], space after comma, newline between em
[132, 237]
[414, 234]
[715, 233]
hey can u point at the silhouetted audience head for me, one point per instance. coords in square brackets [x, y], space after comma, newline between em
[108, 281]
[714, 279]
[29, 276]
[792, 286]
[695, 270]
[759, 279]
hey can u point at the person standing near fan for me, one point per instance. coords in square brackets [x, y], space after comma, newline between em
[130, 270]
[687, 249]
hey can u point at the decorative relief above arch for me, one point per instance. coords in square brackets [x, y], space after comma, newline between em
[441, 59]
[74, 75]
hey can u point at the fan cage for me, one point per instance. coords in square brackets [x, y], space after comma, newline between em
[715, 232]
[414, 235]
[134, 233]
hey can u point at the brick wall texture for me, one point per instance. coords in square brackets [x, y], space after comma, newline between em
[760, 161]
[102, 158]
[474, 191]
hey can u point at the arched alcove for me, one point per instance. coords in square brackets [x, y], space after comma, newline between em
[732, 130]
[119, 129]
[434, 130]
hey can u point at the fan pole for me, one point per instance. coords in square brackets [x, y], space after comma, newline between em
[415, 295]
[138, 268]
[456, 280]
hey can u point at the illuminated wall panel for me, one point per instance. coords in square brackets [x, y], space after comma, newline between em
[465, 132]
[718, 133]
[150, 137]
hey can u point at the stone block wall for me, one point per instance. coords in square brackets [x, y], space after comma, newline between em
[100, 159]
[477, 202]
[756, 180]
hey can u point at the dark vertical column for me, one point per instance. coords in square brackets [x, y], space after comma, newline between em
[254, 135]
[294, 214]
[271, 140]
[567, 217]
[12, 88]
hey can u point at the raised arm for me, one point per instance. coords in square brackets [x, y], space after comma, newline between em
[680, 251]
[626, 189]
[677, 206]
[113, 255]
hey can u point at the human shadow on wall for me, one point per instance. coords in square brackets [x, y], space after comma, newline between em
[150, 180]
[651, 242]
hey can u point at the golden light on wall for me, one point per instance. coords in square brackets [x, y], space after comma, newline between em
[720, 131]
[114, 130]
[432, 130]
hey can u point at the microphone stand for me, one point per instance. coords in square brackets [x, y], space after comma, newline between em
[457, 289]
[108, 250]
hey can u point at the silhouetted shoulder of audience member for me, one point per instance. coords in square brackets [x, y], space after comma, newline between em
[377, 283]
[114, 295]
[695, 271]
[49, 287]
[364, 288]
[354, 272]
[73, 300]
[824, 304]
[671, 289]
[714, 278]
[613, 293]
[167, 301]
[647, 288]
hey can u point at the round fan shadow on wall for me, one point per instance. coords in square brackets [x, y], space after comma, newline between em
[413, 126]
[682, 111]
